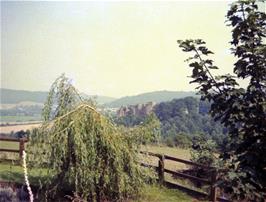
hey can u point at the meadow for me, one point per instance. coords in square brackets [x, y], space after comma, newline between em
[12, 172]
[19, 118]
[171, 151]
[171, 165]
[150, 193]
[14, 128]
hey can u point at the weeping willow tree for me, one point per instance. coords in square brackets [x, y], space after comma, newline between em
[83, 151]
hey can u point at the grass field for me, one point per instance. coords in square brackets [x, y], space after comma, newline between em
[151, 193]
[14, 128]
[19, 118]
[155, 193]
[171, 165]
[171, 151]
[9, 145]
[176, 152]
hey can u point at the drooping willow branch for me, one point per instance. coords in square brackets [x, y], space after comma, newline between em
[89, 153]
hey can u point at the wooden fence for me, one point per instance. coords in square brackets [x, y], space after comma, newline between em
[20, 141]
[161, 170]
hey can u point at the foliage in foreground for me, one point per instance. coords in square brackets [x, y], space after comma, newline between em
[241, 110]
[83, 151]
[203, 151]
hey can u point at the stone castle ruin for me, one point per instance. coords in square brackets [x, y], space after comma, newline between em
[137, 110]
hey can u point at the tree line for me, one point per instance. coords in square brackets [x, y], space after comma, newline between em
[181, 120]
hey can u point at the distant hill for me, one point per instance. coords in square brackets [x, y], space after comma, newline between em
[99, 99]
[156, 96]
[9, 96]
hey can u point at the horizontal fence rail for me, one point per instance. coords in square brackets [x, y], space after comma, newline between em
[161, 178]
[187, 162]
[21, 142]
[160, 169]
[13, 139]
[197, 179]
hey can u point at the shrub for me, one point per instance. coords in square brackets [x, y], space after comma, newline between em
[203, 151]
[179, 140]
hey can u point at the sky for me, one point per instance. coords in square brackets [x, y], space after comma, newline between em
[108, 48]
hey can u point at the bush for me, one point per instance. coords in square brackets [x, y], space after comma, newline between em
[203, 151]
[179, 140]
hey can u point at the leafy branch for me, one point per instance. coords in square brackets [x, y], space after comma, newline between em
[241, 111]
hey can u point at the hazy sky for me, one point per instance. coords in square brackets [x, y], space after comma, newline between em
[108, 48]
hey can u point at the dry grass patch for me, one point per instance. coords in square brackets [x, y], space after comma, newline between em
[15, 128]
[171, 151]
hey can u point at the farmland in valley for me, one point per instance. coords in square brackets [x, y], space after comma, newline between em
[15, 128]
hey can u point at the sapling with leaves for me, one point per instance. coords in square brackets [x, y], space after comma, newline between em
[241, 110]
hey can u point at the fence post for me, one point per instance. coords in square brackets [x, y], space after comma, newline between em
[161, 169]
[213, 194]
[21, 147]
